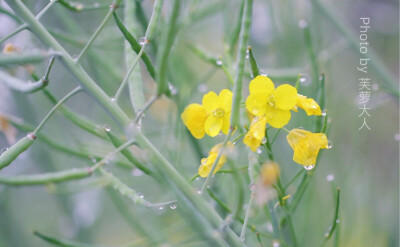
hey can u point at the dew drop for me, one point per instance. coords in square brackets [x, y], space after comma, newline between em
[3, 150]
[259, 150]
[161, 208]
[173, 206]
[264, 140]
[199, 191]
[330, 177]
[92, 159]
[275, 243]
[172, 89]
[302, 24]
[218, 62]
[143, 41]
[137, 172]
[197, 179]
[107, 127]
[323, 112]
[262, 72]
[202, 88]
[309, 167]
[113, 99]
[337, 221]
[397, 137]
[330, 144]
[326, 235]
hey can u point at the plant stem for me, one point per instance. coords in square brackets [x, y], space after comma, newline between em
[241, 57]
[66, 97]
[125, 80]
[44, 10]
[246, 218]
[146, 107]
[113, 6]
[16, 31]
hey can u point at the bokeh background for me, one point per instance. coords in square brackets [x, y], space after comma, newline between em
[364, 163]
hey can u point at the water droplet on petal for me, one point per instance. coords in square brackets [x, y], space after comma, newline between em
[309, 167]
[330, 177]
[106, 127]
[259, 150]
[323, 112]
[173, 206]
[330, 144]
[264, 140]
[143, 41]
[202, 88]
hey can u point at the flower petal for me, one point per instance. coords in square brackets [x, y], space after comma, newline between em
[225, 99]
[285, 97]
[226, 124]
[277, 118]
[308, 105]
[210, 102]
[194, 117]
[261, 84]
[213, 125]
[256, 104]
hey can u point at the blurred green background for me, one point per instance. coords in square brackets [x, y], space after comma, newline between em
[364, 163]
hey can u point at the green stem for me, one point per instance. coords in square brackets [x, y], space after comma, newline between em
[44, 10]
[153, 23]
[135, 46]
[110, 155]
[246, 218]
[125, 80]
[46, 178]
[21, 86]
[241, 58]
[79, 121]
[335, 219]
[26, 58]
[16, 31]
[146, 107]
[40, 31]
[294, 179]
[66, 97]
[113, 6]
[13, 152]
[164, 57]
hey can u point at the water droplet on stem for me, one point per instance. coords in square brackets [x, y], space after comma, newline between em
[173, 206]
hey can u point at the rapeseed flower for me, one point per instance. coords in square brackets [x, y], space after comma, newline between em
[269, 173]
[306, 145]
[275, 104]
[211, 117]
[254, 136]
[308, 105]
[207, 163]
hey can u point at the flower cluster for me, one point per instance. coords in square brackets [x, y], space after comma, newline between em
[266, 104]
[273, 106]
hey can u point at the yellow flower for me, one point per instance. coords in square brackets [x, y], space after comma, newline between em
[211, 117]
[207, 163]
[275, 104]
[308, 105]
[269, 173]
[306, 145]
[256, 133]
